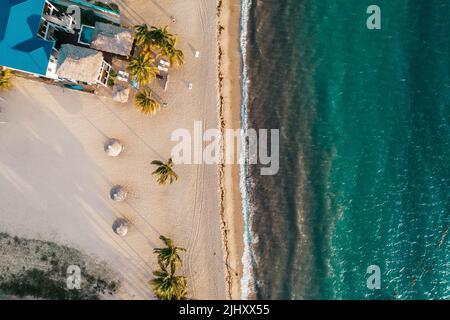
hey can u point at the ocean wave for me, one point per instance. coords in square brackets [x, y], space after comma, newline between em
[248, 258]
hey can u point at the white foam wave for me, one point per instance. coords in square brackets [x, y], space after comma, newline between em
[247, 280]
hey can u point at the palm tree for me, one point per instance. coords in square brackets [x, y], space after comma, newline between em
[142, 69]
[164, 172]
[176, 56]
[168, 256]
[145, 103]
[140, 34]
[5, 76]
[167, 286]
[159, 38]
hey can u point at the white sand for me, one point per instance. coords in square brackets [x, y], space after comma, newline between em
[55, 177]
[230, 90]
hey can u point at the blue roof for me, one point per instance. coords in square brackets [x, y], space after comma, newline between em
[20, 48]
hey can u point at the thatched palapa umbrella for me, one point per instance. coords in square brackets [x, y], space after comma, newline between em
[120, 226]
[113, 147]
[118, 193]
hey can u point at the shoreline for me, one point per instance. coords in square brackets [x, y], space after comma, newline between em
[229, 116]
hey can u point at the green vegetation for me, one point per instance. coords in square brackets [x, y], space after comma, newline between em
[39, 270]
[165, 172]
[42, 284]
[112, 77]
[167, 285]
[159, 38]
[145, 103]
[140, 33]
[5, 77]
[160, 41]
[175, 56]
[169, 255]
[142, 69]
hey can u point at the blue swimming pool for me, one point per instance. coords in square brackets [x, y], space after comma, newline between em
[74, 87]
[86, 34]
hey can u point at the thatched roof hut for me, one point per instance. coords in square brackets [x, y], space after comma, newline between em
[79, 64]
[120, 226]
[118, 193]
[113, 147]
[110, 38]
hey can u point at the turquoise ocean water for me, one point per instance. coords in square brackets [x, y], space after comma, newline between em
[364, 144]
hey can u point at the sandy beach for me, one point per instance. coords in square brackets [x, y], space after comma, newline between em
[230, 118]
[55, 177]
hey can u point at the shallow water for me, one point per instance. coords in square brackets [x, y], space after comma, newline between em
[364, 144]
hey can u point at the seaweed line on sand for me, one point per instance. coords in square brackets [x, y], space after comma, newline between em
[221, 122]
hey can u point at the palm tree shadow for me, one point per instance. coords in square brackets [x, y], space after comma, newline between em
[193, 50]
